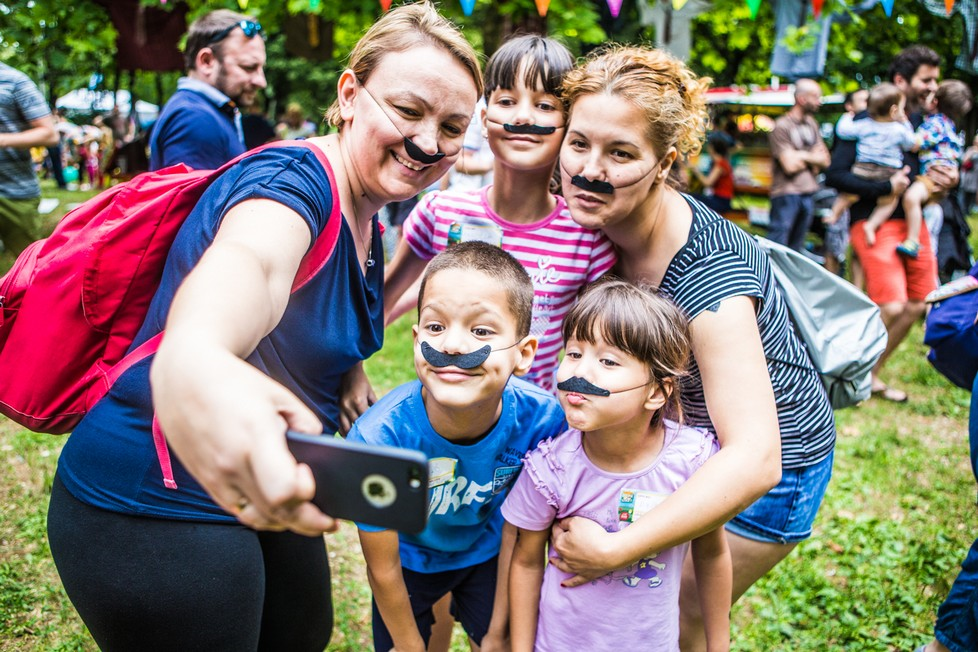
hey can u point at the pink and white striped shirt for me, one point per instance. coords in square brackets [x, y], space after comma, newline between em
[560, 256]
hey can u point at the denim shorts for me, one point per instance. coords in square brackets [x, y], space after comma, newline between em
[786, 513]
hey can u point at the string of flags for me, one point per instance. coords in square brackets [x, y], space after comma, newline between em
[468, 6]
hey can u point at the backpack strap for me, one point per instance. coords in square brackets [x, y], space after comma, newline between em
[314, 261]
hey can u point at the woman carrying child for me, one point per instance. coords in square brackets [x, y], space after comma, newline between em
[626, 352]
[151, 566]
[633, 110]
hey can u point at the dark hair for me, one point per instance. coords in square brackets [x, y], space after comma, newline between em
[641, 323]
[912, 58]
[204, 29]
[954, 99]
[542, 60]
[491, 261]
[720, 144]
[882, 97]
[851, 95]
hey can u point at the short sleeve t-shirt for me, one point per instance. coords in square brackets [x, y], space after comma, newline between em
[791, 134]
[467, 483]
[559, 480]
[330, 324]
[721, 261]
[560, 257]
[20, 103]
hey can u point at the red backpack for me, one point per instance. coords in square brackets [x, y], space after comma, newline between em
[72, 303]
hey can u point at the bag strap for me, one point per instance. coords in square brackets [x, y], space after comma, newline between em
[314, 260]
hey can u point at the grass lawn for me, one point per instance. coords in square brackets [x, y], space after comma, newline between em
[897, 519]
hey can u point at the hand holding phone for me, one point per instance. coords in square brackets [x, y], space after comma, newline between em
[375, 485]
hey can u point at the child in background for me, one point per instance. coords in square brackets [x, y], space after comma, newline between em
[475, 423]
[880, 143]
[524, 121]
[718, 185]
[939, 144]
[626, 352]
[854, 104]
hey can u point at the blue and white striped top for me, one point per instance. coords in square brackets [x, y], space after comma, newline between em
[720, 261]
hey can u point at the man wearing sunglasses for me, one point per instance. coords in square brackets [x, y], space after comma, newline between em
[201, 123]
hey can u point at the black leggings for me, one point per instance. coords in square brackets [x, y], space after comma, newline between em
[152, 584]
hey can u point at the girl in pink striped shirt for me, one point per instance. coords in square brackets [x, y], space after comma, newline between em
[524, 122]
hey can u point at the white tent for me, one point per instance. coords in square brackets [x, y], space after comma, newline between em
[82, 99]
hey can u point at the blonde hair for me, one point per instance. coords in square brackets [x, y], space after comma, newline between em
[670, 95]
[643, 324]
[400, 29]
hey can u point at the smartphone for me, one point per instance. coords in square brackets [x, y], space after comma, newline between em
[381, 486]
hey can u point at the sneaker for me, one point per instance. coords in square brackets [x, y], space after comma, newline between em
[908, 248]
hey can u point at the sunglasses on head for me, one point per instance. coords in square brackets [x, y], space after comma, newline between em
[249, 27]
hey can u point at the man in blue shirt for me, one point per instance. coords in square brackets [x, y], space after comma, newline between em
[201, 124]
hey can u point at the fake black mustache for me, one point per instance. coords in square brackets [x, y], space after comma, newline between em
[600, 187]
[535, 130]
[579, 385]
[469, 360]
[419, 154]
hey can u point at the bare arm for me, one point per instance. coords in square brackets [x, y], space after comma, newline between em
[525, 582]
[727, 347]
[41, 134]
[818, 157]
[381, 552]
[405, 268]
[497, 636]
[356, 395]
[709, 180]
[714, 583]
[224, 418]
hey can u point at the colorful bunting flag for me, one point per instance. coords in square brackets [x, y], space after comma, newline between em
[543, 5]
[467, 7]
[678, 4]
[817, 7]
[948, 6]
[887, 7]
[755, 5]
[615, 6]
[385, 5]
[243, 4]
[314, 4]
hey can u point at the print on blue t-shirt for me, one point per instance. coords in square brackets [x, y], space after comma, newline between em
[467, 483]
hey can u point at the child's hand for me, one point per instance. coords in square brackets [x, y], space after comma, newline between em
[495, 641]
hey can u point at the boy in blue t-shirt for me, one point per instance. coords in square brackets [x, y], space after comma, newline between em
[475, 422]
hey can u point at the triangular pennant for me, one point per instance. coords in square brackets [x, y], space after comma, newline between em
[542, 6]
[755, 5]
[949, 6]
[816, 7]
[615, 6]
[314, 4]
[887, 7]
[243, 4]
[385, 5]
[467, 6]
[678, 4]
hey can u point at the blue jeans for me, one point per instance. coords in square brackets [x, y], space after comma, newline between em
[786, 513]
[791, 217]
[957, 618]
